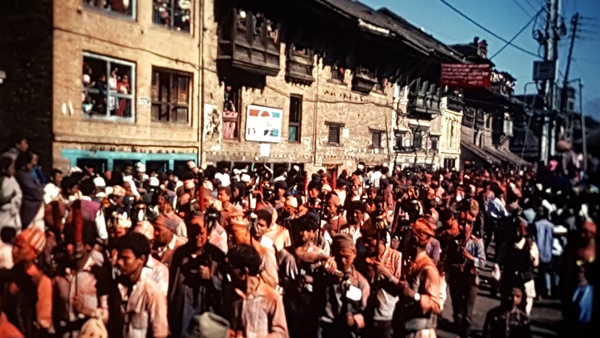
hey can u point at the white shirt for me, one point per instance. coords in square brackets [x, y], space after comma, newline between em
[51, 193]
[6, 260]
[158, 272]
[9, 212]
[144, 307]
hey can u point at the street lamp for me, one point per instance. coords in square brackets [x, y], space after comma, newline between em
[2, 76]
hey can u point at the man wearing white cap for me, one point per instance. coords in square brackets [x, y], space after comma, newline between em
[141, 179]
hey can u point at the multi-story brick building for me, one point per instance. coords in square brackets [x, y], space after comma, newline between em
[225, 82]
[100, 84]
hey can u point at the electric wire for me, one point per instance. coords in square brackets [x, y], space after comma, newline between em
[518, 33]
[459, 12]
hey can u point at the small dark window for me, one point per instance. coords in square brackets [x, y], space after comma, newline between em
[295, 120]
[376, 137]
[337, 73]
[434, 143]
[334, 134]
[418, 139]
[231, 112]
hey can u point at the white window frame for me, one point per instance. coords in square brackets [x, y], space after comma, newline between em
[132, 5]
[131, 96]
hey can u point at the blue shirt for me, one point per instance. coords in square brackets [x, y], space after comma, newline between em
[476, 248]
[544, 238]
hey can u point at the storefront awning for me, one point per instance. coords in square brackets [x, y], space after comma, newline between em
[506, 156]
[479, 152]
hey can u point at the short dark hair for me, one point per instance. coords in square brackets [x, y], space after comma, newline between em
[245, 257]
[8, 234]
[56, 172]
[371, 232]
[227, 190]
[5, 162]
[23, 159]
[18, 139]
[358, 205]
[265, 215]
[87, 187]
[136, 242]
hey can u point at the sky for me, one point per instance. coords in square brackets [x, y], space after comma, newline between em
[506, 18]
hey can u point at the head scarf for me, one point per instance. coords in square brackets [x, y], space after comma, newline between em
[423, 226]
[35, 237]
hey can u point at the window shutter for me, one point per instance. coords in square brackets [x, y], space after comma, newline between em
[334, 134]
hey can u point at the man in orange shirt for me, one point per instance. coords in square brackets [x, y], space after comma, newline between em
[419, 289]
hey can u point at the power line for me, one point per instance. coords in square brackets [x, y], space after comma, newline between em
[530, 5]
[487, 30]
[521, 6]
[518, 33]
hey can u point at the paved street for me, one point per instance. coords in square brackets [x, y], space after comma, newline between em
[545, 316]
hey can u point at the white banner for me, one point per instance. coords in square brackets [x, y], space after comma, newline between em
[263, 124]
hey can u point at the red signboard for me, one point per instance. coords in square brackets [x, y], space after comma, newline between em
[465, 75]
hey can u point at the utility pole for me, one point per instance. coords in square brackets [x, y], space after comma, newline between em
[563, 96]
[548, 139]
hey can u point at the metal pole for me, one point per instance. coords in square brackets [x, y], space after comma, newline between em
[583, 129]
[530, 117]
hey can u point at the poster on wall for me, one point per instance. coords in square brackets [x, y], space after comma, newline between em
[263, 124]
[212, 123]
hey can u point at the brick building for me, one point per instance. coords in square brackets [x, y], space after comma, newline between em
[225, 82]
[349, 109]
[487, 121]
[101, 86]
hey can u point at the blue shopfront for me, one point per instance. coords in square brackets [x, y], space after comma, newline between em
[102, 161]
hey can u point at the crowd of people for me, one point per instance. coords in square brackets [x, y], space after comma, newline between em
[209, 252]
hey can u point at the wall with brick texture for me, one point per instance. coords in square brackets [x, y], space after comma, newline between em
[323, 101]
[26, 57]
[79, 29]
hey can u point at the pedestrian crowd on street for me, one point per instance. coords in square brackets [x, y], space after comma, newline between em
[370, 252]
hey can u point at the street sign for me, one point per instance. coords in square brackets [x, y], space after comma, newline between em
[544, 71]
